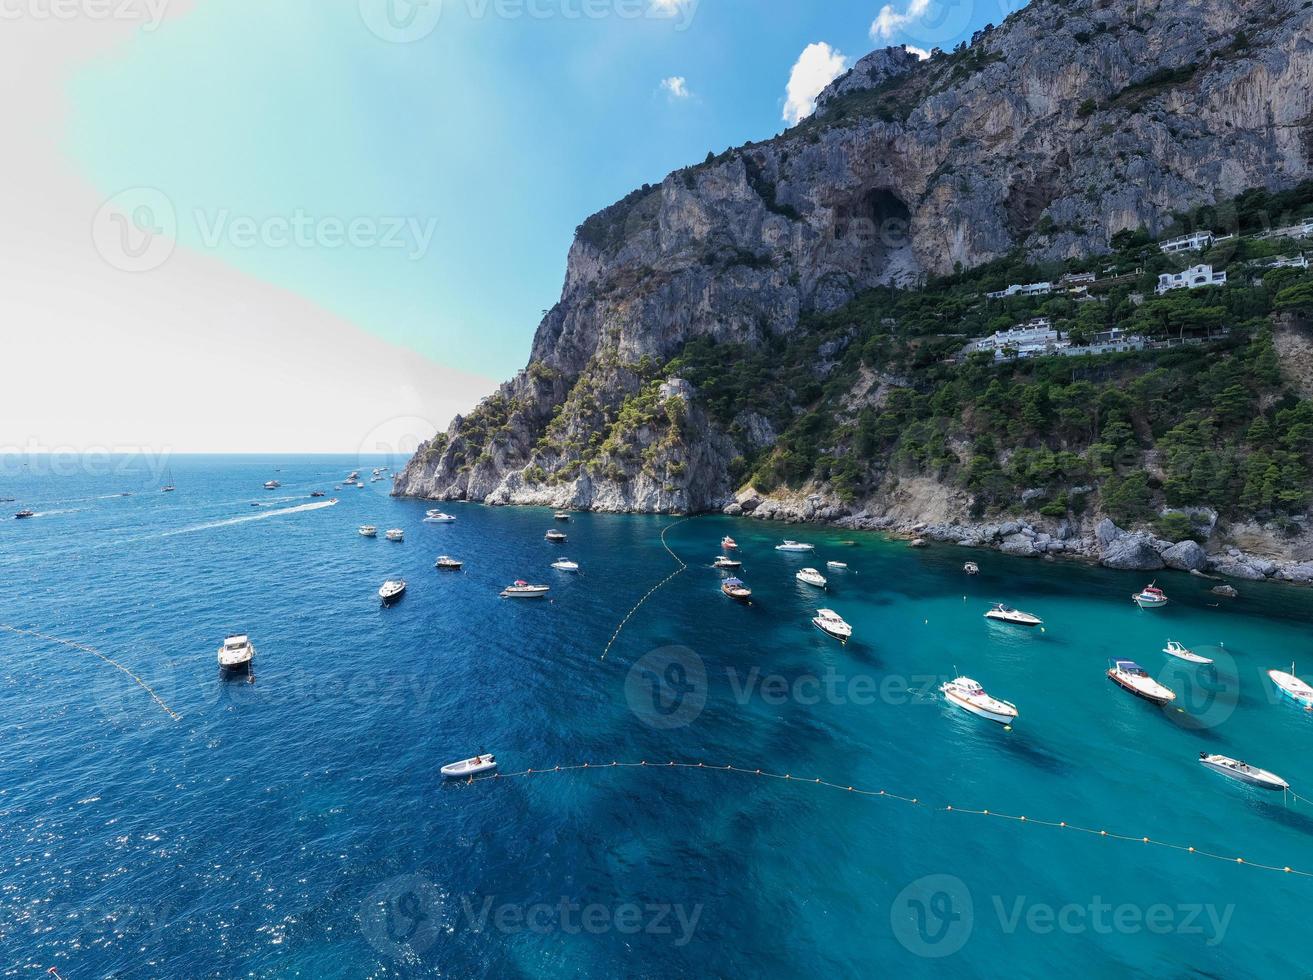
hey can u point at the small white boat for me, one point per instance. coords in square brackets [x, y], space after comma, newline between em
[561, 515]
[468, 768]
[840, 565]
[396, 534]
[236, 653]
[555, 536]
[272, 485]
[448, 564]
[368, 531]
[1243, 771]
[523, 590]
[795, 546]
[726, 562]
[1006, 614]
[1150, 597]
[438, 517]
[1292, 687]
[392, 590]
[352, 476]
[1178, 650]
[829, 621]
[971, 568]
[968, 695]
[565, 565]
[811, 577]
[728, 543]
[1130, 676]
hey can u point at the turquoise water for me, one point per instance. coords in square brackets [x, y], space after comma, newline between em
[296, 826]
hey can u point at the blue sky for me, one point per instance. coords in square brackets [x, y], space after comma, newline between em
[463, 159]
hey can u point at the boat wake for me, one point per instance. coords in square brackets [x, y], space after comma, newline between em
[264, 515]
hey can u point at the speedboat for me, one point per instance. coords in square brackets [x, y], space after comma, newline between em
[448, 564]
[968, 695]
[728, 543]
[829, 621]
[1131, 676]
[796, 546]
[24, 514]
[368, 531]
[840, 565]
[438, 517]
[1178, 650]
[272, 485]
[396, 534]
[1150, 597]
[1006, 614]
[318, 493]
[561, 515]
[1292, 687]
[555, 536]
[726, 562]
[352, 476]
[566, 565]
[523, 590]
[811, 577]
[1243, 771]
[236, 653]
[736, 589]
[392, 590]
[971, 568]
[468, 768]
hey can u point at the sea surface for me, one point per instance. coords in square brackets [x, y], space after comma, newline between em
[297, 825]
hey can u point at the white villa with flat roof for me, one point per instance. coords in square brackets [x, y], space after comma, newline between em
[1031, 289]
[1197, 242]
[1194, 278]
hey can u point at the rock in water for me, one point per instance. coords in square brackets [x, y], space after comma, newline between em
[1186, 556]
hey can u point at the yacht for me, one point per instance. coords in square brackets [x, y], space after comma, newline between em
[1178, 650]
[829, 621]
[1150, 597]
[839, 565]
[1292, 687]
[1243, 771]
[1006, 614]
[968, 695]
[438, 517]
[561, 515]
[368, 531]
[392, 590]
[523, 590]
[726, 562]
[468, 768]
[971, 568]
[796, 546]
[728, 543]
[565, 565]
[272, 485]
[736, 589]
[236, 653]
[811, 577]
[448, 564]
[556, 536]
[352, 476]
[1131, 676]
[396, 534]
[24, 514]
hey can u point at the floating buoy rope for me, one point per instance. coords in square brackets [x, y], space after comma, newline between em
[683, 566]
[914, 801]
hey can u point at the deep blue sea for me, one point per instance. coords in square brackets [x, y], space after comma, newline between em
[297, 826]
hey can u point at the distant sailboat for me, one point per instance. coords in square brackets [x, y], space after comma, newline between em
[168, 482]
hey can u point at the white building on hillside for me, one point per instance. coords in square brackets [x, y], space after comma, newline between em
[1285, 262]
[1195, 278]
[1029, 339]
[1108, 342]
[1197, 242]
[1031, 289]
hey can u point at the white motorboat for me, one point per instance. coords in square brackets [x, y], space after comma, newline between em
[1130, 676]
[726, 562]
[811, 577]
[352, 476]
[272, 485]
[829, 621]
[1178, 650]
[1006, 614]
[555, 536]
[1150, 597]
[795, 546]
[368, 531]
[968, 695]
[565, 565]
[236, 653]
[468, 768]
[392, 590]
[438, 517]
[561, 515]
[1292, 687]
[523, 590]
[1243, 771]
[728, 543]
[839, 565]
[971, 568]
[396, 534]
[448, 564]
[23, 515]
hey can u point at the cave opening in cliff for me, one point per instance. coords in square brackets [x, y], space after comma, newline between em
[876, 225]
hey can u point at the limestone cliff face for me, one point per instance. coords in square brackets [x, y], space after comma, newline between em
[1068, 123]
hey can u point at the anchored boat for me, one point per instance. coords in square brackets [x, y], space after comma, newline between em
[728, 543]
[1006, 614]
[1130, 676]
[736, 589]
[1243, 771]
[968, 695]
[565, 565]
[470, 767]
[1292, 687]
[724, 562]
[831, 623]
[523, 590]
[392, 590]
[1150, 597]
[812, 577]
[236, 653]
[971, 568]
[438, 517]
[1178, 650]
[448, 564]
[795, 546]
[555, 536]
[368, 531]
[396, 534]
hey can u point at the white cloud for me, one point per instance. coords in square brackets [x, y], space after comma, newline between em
[921, 53]
[817, 66]
[889, 21]
[676, 86]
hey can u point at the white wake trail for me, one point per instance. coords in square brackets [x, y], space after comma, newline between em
[262, 516]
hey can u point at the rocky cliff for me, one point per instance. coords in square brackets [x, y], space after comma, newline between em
[1047, 135]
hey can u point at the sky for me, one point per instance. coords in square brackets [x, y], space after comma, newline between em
[330, 225]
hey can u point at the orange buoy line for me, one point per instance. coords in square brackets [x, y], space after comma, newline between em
[885, 794]
[96, 653]
[652, 591]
